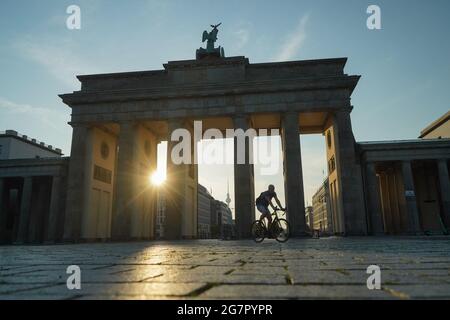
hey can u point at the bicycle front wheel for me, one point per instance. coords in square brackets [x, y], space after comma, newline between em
[258, 231]
[281, 230]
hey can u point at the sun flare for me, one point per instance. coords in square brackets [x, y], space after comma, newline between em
[157, 178]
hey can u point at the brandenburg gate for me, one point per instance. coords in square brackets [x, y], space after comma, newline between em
[118, 120]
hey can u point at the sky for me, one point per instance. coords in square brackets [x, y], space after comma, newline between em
[405, 66]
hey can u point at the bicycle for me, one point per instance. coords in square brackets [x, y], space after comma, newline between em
[279, 229]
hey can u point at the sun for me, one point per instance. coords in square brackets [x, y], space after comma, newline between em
[157, 178]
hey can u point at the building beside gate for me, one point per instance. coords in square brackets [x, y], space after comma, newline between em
[322, 213]
[437, 129]
[33, 176]
[17, 146]
[222, 225]
[204, 212]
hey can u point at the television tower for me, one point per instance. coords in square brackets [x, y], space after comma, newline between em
[228, 199]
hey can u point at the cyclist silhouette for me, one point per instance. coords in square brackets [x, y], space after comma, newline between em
[263, 202]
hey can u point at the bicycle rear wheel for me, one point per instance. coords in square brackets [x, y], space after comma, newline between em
[258, 231]
[281, 230]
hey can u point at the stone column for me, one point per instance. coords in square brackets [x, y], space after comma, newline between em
[410, 196]
[403, 211]
[393, 198]
[387, 216]
[174, 188]
[54, 211]
[444, 183]
[3, 213]
[125, 175]
[25, 207]
[350, 176]
[244, 188]
[293, 175]
[373, 200]
[190, 221]
[38, 211]
[76, 181]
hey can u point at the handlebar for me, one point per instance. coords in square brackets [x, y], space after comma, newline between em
[276, 209]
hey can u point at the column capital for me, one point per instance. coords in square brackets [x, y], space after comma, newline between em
[342, 115]
[127, 122]
[343, 110]
[78, 124]
[242, 121]
[175, 123]
[240, 115]
[290, 113]
[371, 165]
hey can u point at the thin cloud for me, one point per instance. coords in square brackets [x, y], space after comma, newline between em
[59, 60]
[294, 41]
[49, 117]
[242, 36]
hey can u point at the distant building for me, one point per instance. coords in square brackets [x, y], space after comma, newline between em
[214, 217]
[221, 220]
[322, 215]
[16, 146]
[438, 129]
[204, 213]
[309, 216]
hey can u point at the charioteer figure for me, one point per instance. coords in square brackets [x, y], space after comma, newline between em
[210, 51]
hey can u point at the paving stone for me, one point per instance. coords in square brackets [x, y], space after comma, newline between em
[218, 278]
[254, 269]
[115, 289]
[328, 277]
[129, 297]
[420, 291]
[15, 288]
[293, 292]
[327, 268]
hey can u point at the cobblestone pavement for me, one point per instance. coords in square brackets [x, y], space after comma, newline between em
[327, 268]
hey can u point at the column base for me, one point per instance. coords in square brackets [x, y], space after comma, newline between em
[301, 235]
[378, 234]
[414, 233]
[189, 237]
